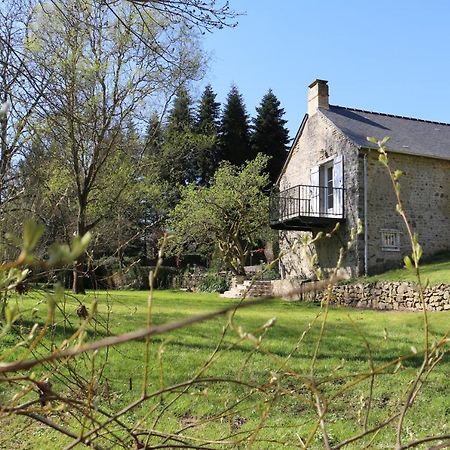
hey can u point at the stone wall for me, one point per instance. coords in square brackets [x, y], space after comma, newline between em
[425, 192]
[387, 296]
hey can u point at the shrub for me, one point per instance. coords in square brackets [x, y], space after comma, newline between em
[132, 275]
[167, 277]
[213, 282]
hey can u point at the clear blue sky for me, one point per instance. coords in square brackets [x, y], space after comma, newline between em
[388, 56]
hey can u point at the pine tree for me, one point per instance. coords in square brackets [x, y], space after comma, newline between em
[270, 135]
[208, 111]
[153, 138]
[177, 162]
[208, 124]
[235, 130]
[182, 144]
[180, 116]
[133, 141]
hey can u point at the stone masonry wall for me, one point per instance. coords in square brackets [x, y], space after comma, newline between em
[387, 296]
[319, 142]
[425, 191]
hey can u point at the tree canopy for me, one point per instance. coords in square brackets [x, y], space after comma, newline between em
[100, 124]
[230, 214]
[90, 55]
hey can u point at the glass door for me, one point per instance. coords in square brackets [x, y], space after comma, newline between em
[328, 195]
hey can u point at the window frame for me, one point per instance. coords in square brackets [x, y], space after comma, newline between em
[390, 239]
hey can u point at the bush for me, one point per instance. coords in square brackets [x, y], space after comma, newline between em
[132, 275]
[167, 277]
[213, 282]
[267, 274]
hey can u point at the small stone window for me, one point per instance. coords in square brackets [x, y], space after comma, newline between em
[390, 240]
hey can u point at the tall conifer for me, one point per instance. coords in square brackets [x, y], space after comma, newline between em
[270, 136]
[181, 115]
[235, 130]
[178, 157]
[208, 124]
[153, 138]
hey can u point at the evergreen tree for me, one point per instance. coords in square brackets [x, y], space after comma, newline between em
[133, 141]
[270, 135]
[235, 130]
[208, 111]
[180, 116]
[177, 160]
[208, 124]
[153, 138]
[182, 145]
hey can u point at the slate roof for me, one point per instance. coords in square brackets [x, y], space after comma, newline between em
[408, 135]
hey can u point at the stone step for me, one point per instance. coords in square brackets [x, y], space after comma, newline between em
[257, 283]
[260, 288]
[231, 294]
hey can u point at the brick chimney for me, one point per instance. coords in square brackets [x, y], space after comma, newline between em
[317, 96]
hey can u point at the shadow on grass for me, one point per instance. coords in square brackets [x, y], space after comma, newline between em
[59, 331]
[341, 341]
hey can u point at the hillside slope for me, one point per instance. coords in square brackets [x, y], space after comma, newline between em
[436, 270]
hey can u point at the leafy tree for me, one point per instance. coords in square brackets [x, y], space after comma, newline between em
[208, 124]
[230, 214]
[270, 136]
[20, 91]
[47, 197]
[91, 55]
[235, 130]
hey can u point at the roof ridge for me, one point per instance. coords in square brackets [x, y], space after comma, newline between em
[392, 115]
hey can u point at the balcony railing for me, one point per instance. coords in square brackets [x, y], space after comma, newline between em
[305, 207]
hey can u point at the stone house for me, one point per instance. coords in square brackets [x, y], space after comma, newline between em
[332, 174]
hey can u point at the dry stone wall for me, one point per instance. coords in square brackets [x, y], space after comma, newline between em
[388, 296]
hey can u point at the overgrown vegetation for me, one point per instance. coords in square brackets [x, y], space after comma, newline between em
[213, 282]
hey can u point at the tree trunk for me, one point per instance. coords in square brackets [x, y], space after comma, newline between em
[4, 159]
[233, 254]
[78, 276]
[269, 251]
[79, 263]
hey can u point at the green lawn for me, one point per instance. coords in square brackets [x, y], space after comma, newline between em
[436, 271]
[280, 406]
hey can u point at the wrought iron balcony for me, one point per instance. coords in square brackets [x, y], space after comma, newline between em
[306, 207]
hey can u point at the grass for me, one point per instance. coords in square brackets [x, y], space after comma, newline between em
[288, 417]
[436, 271]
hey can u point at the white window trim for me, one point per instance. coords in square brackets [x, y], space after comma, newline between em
[319, 197]
[390, 233]
[327, 160]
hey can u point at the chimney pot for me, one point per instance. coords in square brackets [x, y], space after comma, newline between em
[317, 96]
